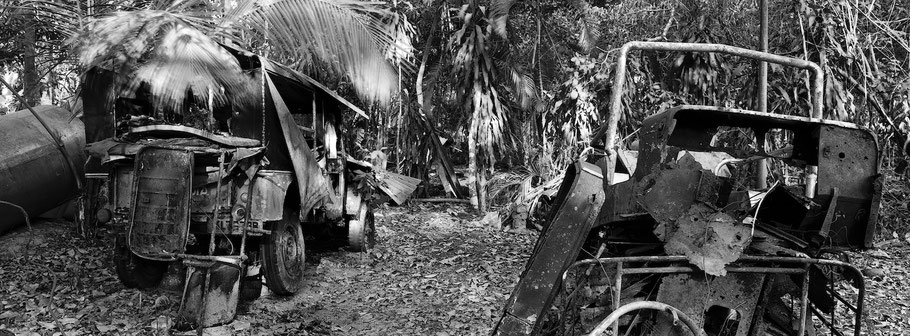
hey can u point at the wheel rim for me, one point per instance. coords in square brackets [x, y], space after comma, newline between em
[362, 230]
[289, 252]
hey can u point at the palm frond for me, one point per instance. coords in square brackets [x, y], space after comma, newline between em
[587, 36]
[70, 17]
[402, 32]
[523, 86]
[476, 74]
[165, 51]
[348, 35]
[499, 15]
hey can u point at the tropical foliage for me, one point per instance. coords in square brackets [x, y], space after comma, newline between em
[503, 83]
[161, 42]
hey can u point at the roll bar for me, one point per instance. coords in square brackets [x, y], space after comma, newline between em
[619, 76]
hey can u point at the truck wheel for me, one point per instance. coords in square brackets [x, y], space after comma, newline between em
[362, 230]
[135, 271]
[284, 256]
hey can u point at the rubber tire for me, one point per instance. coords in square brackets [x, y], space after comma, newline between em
[367, 237]
[284, 256]
[135, 271]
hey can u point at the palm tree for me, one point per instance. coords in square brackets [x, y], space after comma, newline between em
[483, 76]
[175, 45]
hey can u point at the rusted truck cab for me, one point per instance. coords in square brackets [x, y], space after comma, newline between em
[228, 192]
[691, 243]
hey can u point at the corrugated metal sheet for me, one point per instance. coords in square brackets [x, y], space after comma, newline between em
[398, 187]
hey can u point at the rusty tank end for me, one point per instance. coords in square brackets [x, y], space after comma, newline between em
[33, 172]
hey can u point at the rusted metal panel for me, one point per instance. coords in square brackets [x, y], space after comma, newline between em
[668, 194]
[580, 198]
[122, 186]
[269, 190]
[317, 86]
[159, 221]
[205, 189]
[33, 172]
[182, 131]
[736, 291]
[848, 161]
[313, 187]
[710, 239]
[627, 159]
[398, 187]
[213, 291]
[685, 201]
[872, 224]
[845, 154]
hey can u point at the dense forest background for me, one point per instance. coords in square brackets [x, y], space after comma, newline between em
[520, 86]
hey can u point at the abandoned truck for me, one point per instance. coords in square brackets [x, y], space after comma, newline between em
[221, 193]
[681, 239]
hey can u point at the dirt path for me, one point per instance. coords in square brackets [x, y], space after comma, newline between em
[435, 271]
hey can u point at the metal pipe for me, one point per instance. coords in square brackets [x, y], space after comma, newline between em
[858, 275]
[841, 298]
[246, 217]
[761, 176]
[229, 260]
[259, 231]
[743, 258]
[217, 207]
[619, 75]
[690, 269]
[200, 317]
[617, 296]
[613, 318]
[762, 65]
[804, 304]
[825, 321]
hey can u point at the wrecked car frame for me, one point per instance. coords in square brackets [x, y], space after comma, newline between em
[688, 237]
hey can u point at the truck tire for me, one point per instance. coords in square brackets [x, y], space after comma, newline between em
[284, 255]
[362, 230]
[135, 271]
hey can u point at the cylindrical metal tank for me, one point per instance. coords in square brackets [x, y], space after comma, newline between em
[33, 172]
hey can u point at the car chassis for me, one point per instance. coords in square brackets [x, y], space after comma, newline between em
[675, 232]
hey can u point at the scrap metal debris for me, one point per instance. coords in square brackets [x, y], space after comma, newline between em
[711, 239]
[689, 228]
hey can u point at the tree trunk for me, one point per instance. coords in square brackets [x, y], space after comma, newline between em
[31, 84]
[477, 177]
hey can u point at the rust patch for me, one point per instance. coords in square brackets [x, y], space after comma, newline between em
[710, 239]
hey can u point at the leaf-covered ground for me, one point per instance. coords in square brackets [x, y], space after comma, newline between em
[887, 277]
[436, 271]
